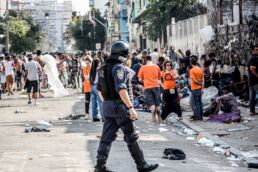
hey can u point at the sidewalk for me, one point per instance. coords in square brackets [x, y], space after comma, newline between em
[242, 138]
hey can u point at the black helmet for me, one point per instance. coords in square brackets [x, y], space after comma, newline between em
[120, 47]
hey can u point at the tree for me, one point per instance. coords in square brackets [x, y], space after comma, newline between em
[85, 33]
[159, 13]
[24, 32]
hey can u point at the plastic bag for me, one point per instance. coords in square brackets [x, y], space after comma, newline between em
[208, 94]
[53, 79]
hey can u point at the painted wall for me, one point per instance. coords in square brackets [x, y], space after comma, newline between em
[123, 27]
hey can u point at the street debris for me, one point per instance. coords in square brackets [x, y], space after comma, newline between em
[19, 111]
[242, 138]
[41, 126]
[251, 154]
[35, 129]
[233, 164]
[239, 128]
[219, 150]
[252, 165]
[233, 158]
[220, 133]
[190, 138]
[44, 124]
[248, 118]
[72, 117]
[188, 131]
[206, 142]
[173, 154]
[161, 129]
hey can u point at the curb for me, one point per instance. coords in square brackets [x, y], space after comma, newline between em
[250, 162]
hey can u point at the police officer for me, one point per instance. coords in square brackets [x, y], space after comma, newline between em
[118, 110]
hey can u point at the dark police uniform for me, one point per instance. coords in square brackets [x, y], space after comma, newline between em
[113, 77]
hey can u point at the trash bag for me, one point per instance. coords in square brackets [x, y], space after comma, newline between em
[173, 154]
[226, 118]
[208, 94]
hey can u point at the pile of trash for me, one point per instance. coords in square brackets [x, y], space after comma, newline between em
[72, 117]
[208, 94]
[192, 135]
[41, 126]
[19, 111]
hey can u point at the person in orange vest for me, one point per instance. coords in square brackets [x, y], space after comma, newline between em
[86, 83]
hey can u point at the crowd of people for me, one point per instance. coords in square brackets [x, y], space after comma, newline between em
[166, 76]
[161, 79]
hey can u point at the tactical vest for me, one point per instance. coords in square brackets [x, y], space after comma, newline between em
[106, 81]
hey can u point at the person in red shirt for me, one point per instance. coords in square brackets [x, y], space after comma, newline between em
[150, 75]
[170, 95]
[197, 84]
[86, 84]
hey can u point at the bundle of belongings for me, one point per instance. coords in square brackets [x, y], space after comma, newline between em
[173, 154]
[227, 104]
[209, 94]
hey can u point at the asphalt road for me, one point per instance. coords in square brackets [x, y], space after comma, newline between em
[71, 146]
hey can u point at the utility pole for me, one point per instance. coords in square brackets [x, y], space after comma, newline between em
[240, 12]
[221, 12]
[106, 31]
[7, 27]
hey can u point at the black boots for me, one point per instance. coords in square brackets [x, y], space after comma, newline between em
[101, 166]
[147, 167]
[138, 157]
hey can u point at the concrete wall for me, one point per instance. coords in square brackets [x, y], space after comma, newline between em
[185, 34]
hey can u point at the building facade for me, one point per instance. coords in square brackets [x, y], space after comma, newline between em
[53, 18]
[117, 18]
[2, 7]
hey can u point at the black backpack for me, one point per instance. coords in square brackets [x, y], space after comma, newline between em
[173, 154]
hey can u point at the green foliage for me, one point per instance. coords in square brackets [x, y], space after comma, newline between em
[160, 12]
[18, 28]
[23, 44]
[85, 33]
[23, 30]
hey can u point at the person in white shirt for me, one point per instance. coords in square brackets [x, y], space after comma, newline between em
[33, 69]
[9, 73]
[154, 56]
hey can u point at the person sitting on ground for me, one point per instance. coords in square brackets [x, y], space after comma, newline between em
[226, 103]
